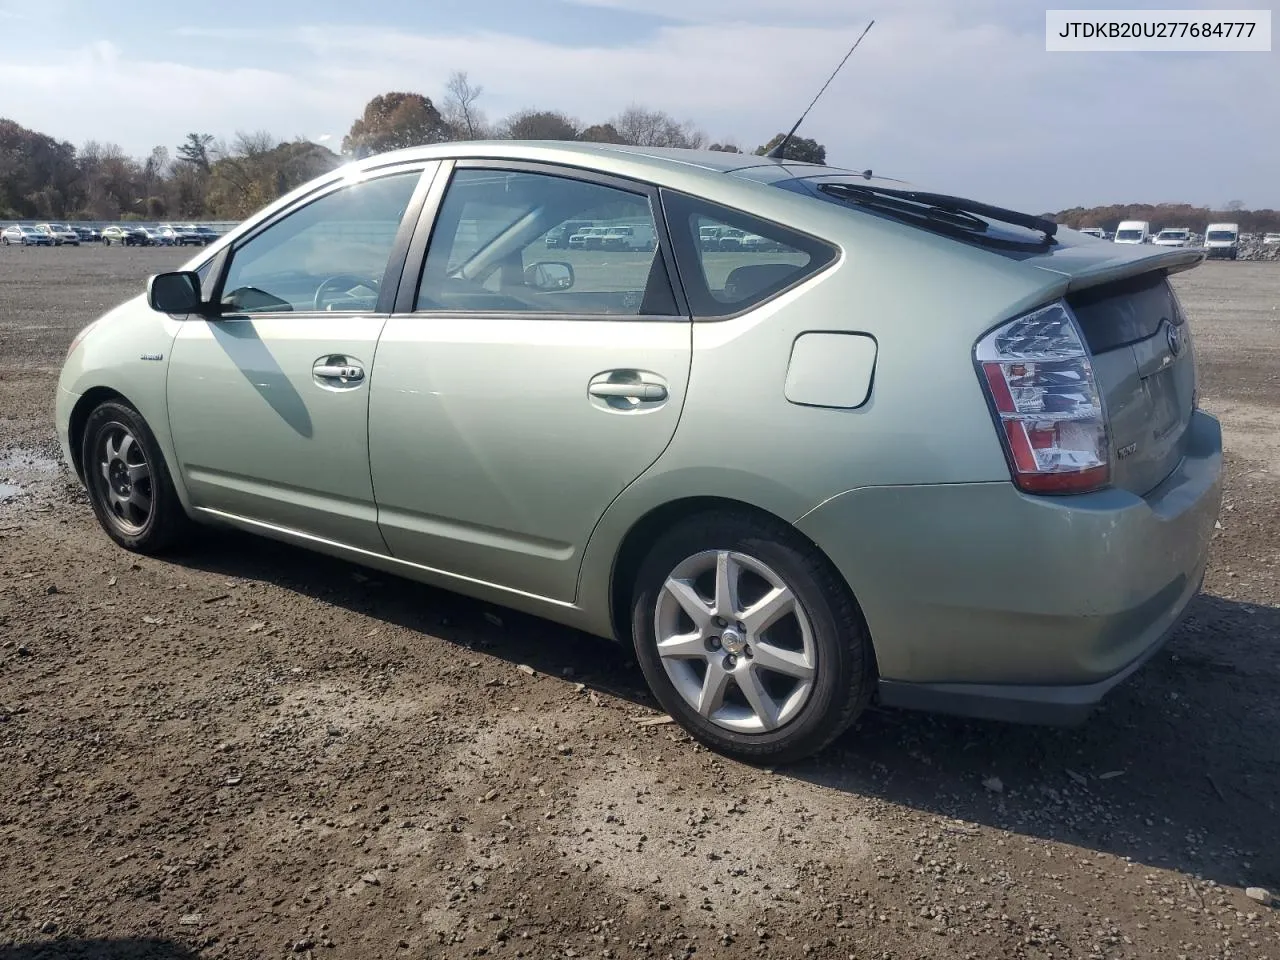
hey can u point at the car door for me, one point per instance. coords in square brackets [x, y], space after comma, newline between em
[516, 392]
[269, 401]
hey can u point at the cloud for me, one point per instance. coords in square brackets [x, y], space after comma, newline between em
[957, 97]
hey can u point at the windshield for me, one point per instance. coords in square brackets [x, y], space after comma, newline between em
[1220, 235]
[1128, 234]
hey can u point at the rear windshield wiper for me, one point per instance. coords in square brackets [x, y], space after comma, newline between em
[955, 212]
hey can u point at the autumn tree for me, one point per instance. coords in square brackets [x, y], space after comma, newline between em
[798, 148]
[110, 182]
[256, 169]
[38, 174]
[540, 125]
[601, 133]
[394, 120]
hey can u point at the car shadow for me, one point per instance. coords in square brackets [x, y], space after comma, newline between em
[254, 359]
[1177, 769]
[128, 949]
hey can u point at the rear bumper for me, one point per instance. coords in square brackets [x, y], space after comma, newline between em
[984, 601]
[1049, 704]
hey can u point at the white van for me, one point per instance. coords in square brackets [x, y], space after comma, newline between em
[1221, 241]
[1133, 231]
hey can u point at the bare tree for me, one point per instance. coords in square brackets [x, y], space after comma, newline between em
[653, 128]
[460, 109]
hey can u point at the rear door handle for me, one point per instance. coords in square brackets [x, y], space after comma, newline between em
[632, 391]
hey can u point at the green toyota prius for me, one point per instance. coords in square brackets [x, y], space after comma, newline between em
[899, 446]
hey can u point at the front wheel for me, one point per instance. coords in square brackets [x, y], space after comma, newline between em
[129, 484]
[750, 639]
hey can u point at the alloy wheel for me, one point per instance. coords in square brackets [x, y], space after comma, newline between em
[735, 641]
[123, 479]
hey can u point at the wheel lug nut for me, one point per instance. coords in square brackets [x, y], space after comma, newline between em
[746, 652]
[715, 643]
[730, 662]
[720, 621]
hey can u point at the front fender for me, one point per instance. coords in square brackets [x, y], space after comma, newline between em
[126, 352]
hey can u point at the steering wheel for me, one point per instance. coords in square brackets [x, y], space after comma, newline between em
[343, 281]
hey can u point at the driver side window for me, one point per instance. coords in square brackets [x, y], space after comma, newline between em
[328, 255]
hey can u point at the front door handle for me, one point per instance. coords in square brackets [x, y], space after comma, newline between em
[606, 389]
[338, 368]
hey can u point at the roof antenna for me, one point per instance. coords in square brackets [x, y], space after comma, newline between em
[778, 151]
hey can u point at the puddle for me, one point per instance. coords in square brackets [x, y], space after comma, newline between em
[20, 468]
[24, 461]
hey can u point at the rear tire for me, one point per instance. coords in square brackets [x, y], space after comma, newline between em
[128, 481]
[750, 639]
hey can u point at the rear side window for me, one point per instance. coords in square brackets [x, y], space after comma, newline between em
[731, 261]
[530, 243]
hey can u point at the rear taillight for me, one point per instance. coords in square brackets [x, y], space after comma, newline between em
[1038, 377]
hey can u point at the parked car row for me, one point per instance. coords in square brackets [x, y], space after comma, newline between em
[61, 234]
[165, 235]
[47, 235]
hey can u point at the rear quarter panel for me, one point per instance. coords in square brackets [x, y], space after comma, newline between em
[925, 300]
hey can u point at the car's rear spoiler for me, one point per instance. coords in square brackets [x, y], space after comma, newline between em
[1087, 271]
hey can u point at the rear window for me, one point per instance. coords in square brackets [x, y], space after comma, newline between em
[1009, 233]
[731, 261]
[1124, 312]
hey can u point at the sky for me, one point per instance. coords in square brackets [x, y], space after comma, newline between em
[957, 96]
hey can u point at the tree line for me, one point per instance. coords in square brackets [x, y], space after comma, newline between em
[207, 178]
[42, 178]
[1161, 215]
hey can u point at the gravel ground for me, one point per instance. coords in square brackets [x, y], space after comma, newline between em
[251, 751]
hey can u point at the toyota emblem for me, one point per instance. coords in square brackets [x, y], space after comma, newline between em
[1175, 339]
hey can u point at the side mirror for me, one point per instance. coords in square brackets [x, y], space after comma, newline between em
[549, 275]
[177, 292]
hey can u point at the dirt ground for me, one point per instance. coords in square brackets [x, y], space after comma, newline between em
[250, 751]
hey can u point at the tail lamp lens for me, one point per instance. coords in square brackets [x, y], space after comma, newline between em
[1038, 377]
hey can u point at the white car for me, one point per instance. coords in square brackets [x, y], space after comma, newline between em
[1094, 232]
[1271, 239]
[756, 243]
[1173, 237]
[25, 236]
[59, 233]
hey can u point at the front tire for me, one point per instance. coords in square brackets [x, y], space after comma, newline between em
[750, 639]
[129, 484]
